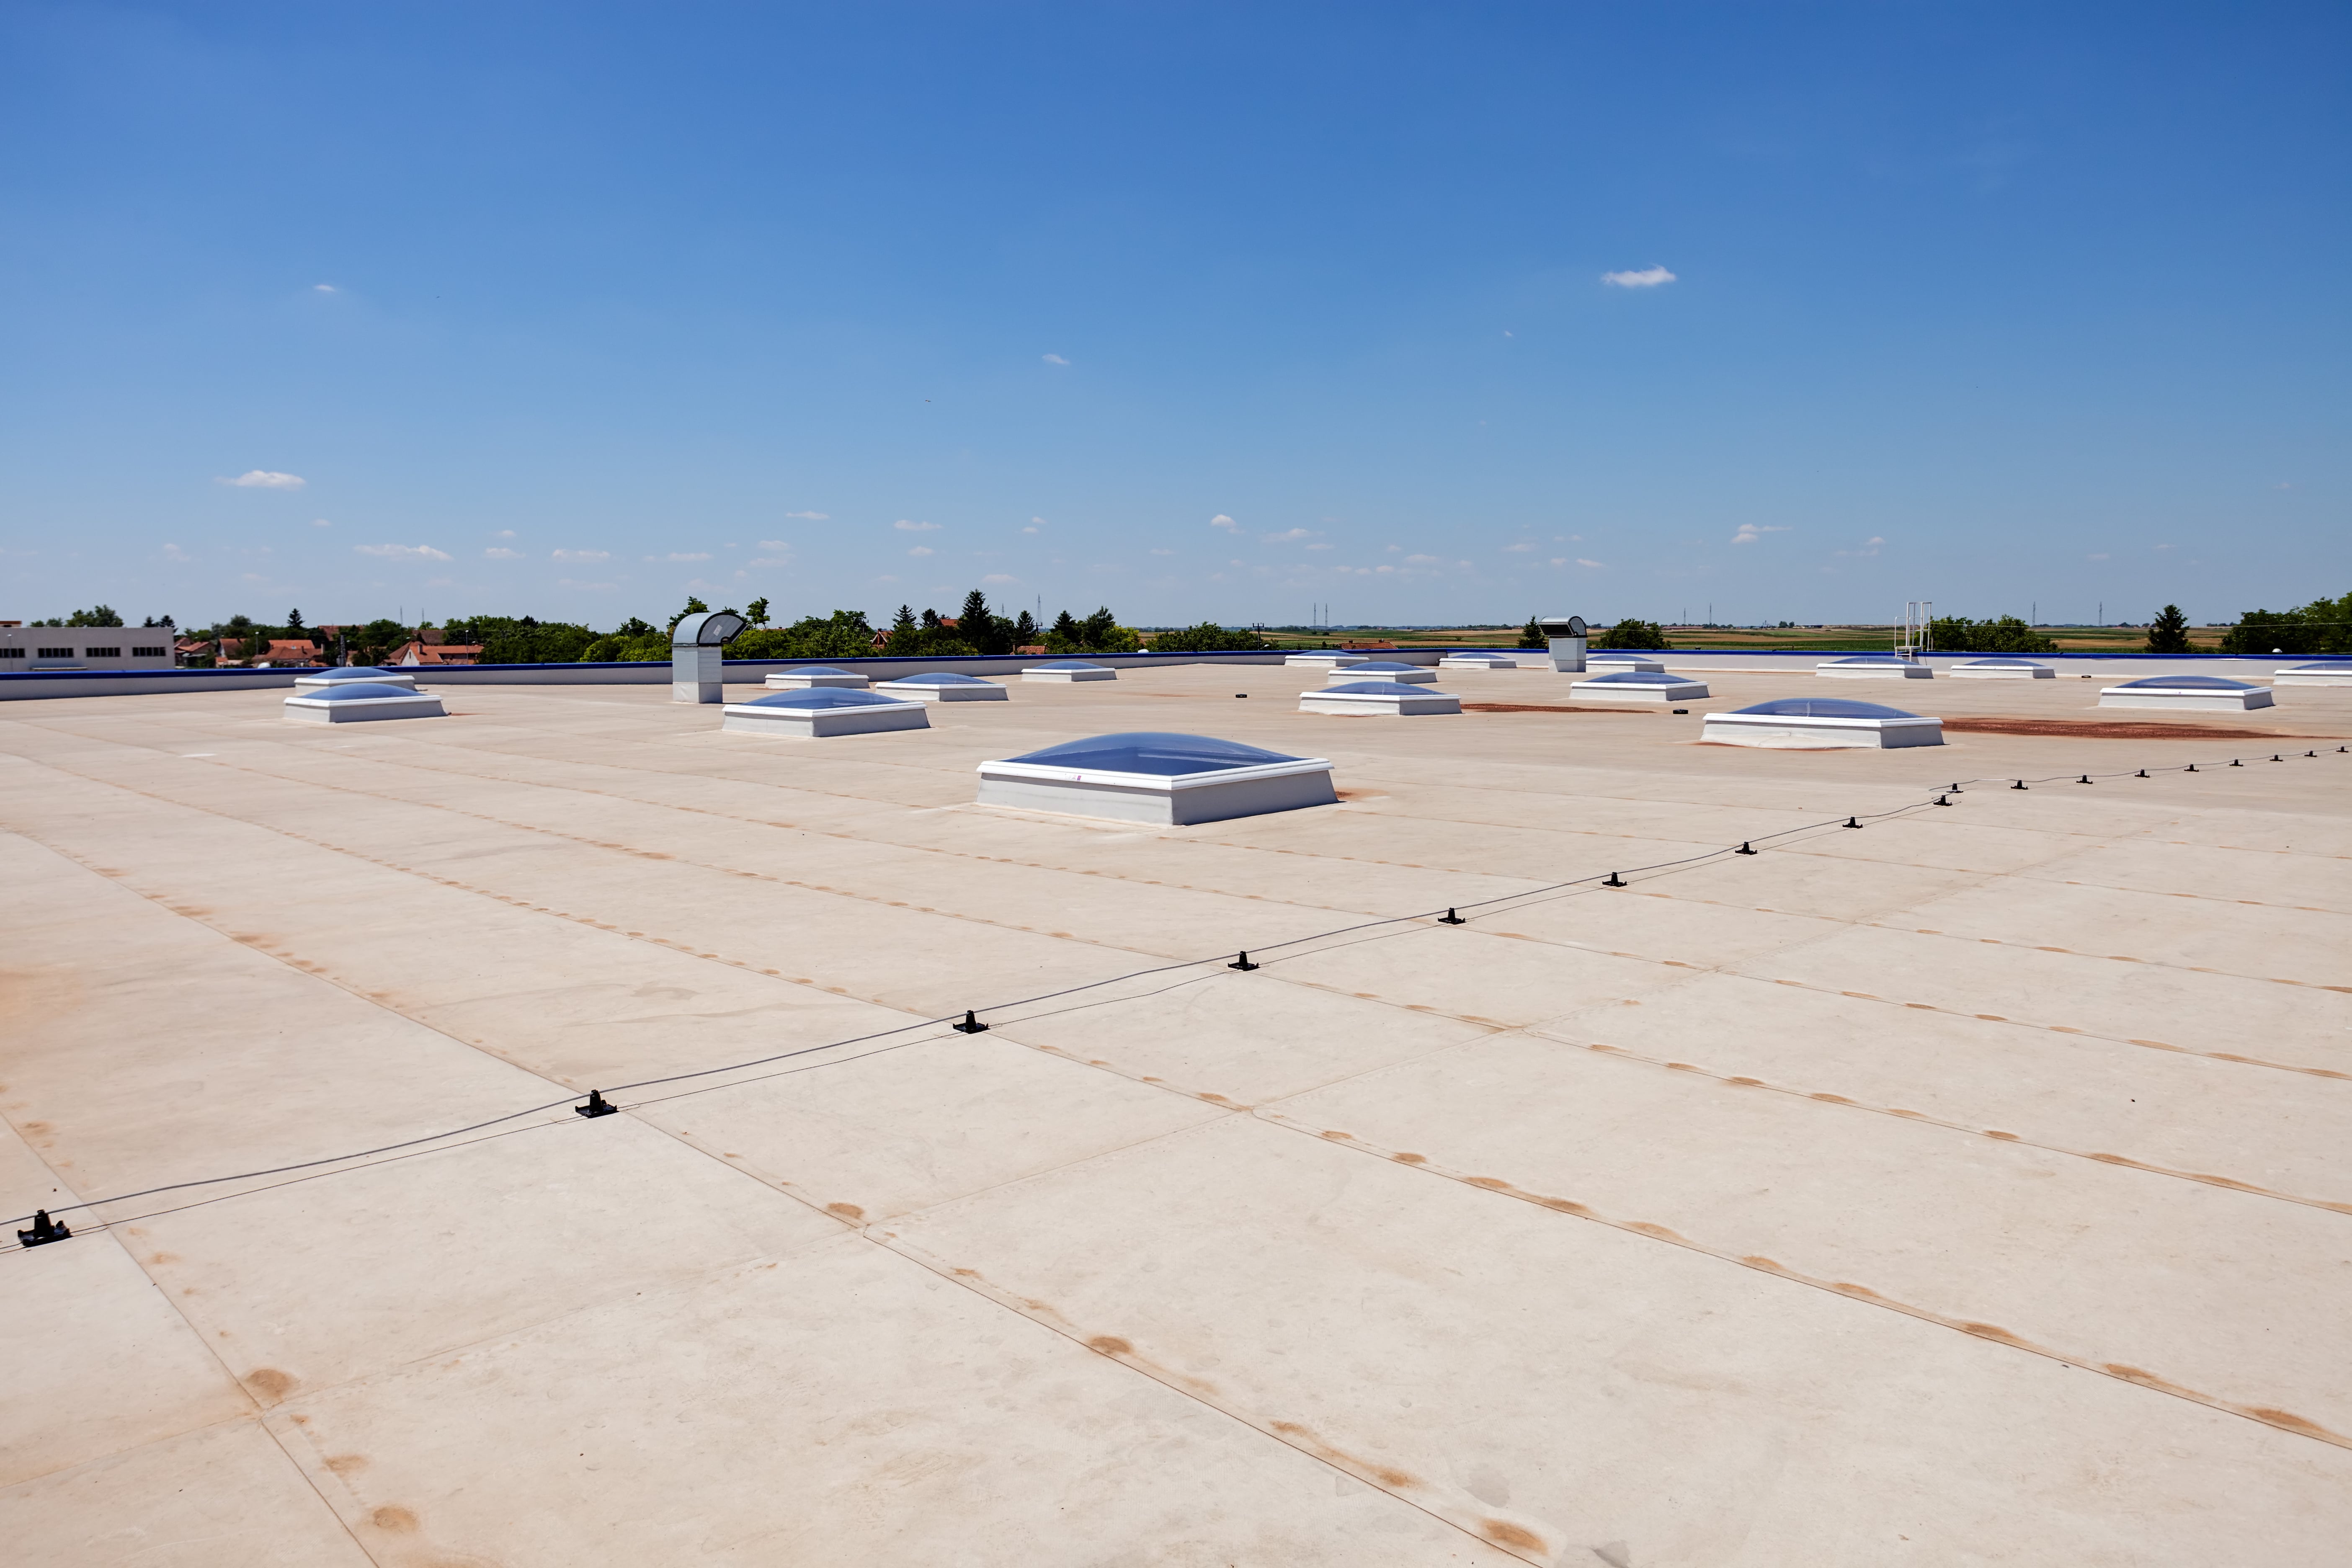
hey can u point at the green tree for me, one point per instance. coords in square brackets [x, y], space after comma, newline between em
[96, 616]
[1025, 630]
[1630, 633]
[1958, 633]
[845, 634]
[1532, 633]
[756, 611]
[294, 622]
[694, 607]
[2168, 633]
[1208, 637]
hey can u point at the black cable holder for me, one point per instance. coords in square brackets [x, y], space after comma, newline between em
[1450, 919]
[597, 1105]
[971, 1025]
[1615, 881]
[1746, 848]
[1850, 822]
[1244, 961]
[2019, 784]
[45, 1230]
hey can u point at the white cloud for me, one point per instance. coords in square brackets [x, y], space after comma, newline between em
[2100, 557]
[324, 288]
[262, 480]
[769, 560]
[582, 556]
[506, 533]
[1056, 359]
[903, 526]
[1221, 521]
[922, 550]
[320, 523]
[810, 516]
[500, 553]
[1522, 547]
[403, 551]
[173, 553]
[575, 582]
[1596, 565]
[1035, 525]
[1164, 553]
[1290, 536]
[682, 555]
[1750, 533]
[998, 579]
[1869, 547]
[1319, 547]
[1647, 278]
[1423, 561]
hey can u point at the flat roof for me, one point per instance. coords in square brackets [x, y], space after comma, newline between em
[1981, 1176]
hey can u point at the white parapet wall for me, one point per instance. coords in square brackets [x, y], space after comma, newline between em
[1323, 659]
[362, 703]
[2192, 693]
[1378, 699]
[822, 713]
[1639, 686]
[1822, 724]
[1156, 777]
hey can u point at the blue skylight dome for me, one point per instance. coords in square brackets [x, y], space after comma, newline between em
[1825, 708]
[1069, 664]
[817, 697]
[936, 677]
[360, 689]
[1635, 677]
[356, 672]
[1376, 689]
[812, 669]
[1870, 658]
[1483, 653]
[1158, 751]
[1378, 667]
[2332, 661]
[2191, 683]
[2006, 663]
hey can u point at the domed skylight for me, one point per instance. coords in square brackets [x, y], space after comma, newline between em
[361, 689]
[1156, 751]
[1825, 708]
[817, 697]
[1376, 689]
[2189, 683]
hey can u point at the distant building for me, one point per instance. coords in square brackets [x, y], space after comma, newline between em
[431, 650]
[287, 651]
[84, 647]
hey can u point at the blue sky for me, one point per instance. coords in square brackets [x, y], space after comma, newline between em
[1197, 311]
